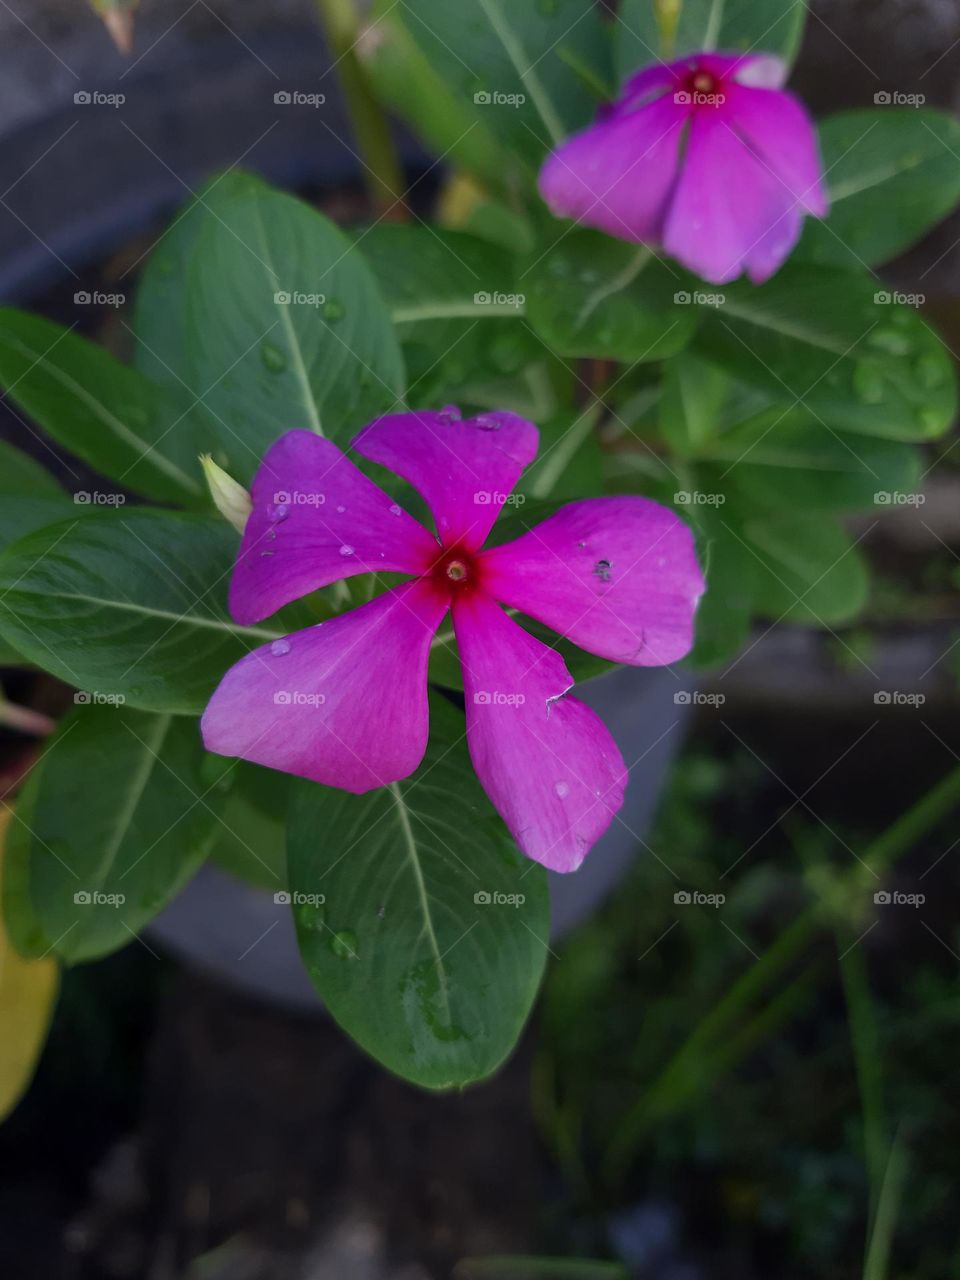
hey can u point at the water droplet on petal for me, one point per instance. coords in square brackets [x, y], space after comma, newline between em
[341, 510]
[280, 647]
[487, 423]
[562, 789]
[396, 509]
[346, 550]
[449, 413]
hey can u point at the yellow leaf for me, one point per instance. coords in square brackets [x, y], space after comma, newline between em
[28, 992]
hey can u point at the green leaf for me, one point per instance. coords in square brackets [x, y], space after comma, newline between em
[648, 30]
[129, 603]
[29, 496]
[591, 295]
[163, 350]
[830, 344]
[693, 394]
[20, 920]
[287, 326]
[726, 610]
[139, 434]
[806, 571]
[122, 818]
[455, 304]
[487, 82]
[799, 465]
[252, 843]
[892, 175]
[428, 977]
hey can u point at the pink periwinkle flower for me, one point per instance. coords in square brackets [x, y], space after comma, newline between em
[345, 702]
[707, 158]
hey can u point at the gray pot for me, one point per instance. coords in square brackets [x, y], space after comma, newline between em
[239, 935]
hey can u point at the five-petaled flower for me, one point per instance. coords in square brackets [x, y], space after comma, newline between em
[345, 702]
[706, 157]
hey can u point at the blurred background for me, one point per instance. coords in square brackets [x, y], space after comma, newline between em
[742, 1066]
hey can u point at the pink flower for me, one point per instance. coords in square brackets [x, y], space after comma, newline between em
[706, 157]
[345, 702]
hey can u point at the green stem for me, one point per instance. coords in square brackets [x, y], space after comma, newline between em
[865, 1038]
[382, 173]
[896, 840]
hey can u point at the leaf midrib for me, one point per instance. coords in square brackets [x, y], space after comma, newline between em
[413, 858]
[190, 619]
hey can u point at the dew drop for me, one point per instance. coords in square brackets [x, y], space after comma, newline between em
[343, 944]
[562, 789]
[486, 422]
[930, 420]
[346, 550]
[890, 341]
[279, 512]
[311, 916]
[449, 413]
[280, 647]
[272, 357]
[333, 310]
[396, 509]
[341, 510]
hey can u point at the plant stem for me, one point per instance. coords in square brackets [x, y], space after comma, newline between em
[895, 841]
[383, 176]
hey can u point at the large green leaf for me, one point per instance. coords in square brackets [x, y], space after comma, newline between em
[892, 175]
[648, 31]
[455, 304]
[832, 345]
[163, 350]
[122, 817]
[29, 496]
[252, 844]
[411, 949]
[591, 295]
[487, 82]
[287, 326]
[129, 603]
[144, 436]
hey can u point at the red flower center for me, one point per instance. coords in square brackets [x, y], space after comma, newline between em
[456, 570]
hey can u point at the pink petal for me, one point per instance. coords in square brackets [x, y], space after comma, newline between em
[618, 174]
[779, 130]
[317, 519]
[617, 576]
[343, 703]
[728, 206]
[464, 469]
[548, 763]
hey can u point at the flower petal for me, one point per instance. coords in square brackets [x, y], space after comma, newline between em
[463, 468]
[343, 703]
[781, 133]
[730, 211]
[618, 174]
[317, 519]
[617, 576]
[548, 763]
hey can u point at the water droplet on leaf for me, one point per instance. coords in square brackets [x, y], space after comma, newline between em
[343, 944]
[273, 358]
